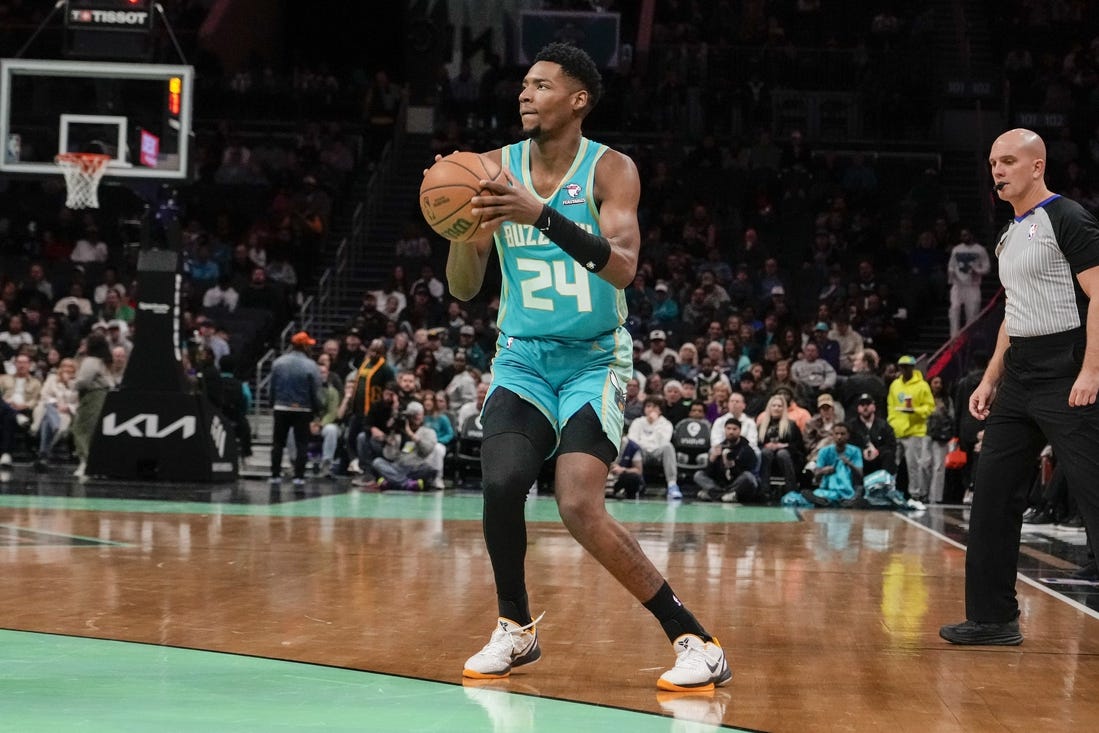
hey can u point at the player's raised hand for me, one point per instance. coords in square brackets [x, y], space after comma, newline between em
[508, 201]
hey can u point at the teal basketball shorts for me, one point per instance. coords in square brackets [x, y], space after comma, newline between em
[560, 377]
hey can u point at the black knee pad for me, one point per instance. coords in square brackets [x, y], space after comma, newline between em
[517, 441]
[509, 465]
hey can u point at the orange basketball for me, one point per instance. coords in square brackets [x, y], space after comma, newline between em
[446, 190]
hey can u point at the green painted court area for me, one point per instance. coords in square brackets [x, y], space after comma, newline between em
[435, 505]
[64, 683]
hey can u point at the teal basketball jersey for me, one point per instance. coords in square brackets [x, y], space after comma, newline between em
[545, 292]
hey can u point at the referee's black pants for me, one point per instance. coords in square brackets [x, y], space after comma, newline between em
[1030, 409]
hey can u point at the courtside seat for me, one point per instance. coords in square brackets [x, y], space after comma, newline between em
[467, 450]
[691, 440]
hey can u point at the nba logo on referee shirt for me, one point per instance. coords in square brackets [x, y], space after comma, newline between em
[1032, 231]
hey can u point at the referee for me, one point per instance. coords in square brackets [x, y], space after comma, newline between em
[1040, 384]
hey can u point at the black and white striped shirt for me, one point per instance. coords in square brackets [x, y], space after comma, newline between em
[1040, 253]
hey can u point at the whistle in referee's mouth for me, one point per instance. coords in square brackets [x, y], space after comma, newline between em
[1000, 186]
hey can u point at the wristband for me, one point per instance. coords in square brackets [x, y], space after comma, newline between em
[590, 250]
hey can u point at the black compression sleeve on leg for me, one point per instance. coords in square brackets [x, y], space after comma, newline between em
[590, 250]
[517, 439]
[511, 464]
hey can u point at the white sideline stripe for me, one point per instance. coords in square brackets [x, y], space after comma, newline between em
[1029, 581]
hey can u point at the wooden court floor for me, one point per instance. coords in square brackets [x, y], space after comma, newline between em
[830, 617]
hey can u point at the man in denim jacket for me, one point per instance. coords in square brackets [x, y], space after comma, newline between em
[297, 396]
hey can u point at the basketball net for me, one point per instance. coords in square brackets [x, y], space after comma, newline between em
[83, 172]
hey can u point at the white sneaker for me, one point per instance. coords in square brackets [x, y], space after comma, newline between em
[79, 472]
[510, 646]
[674, 494]
[699, 665]
[5, 460]
[353, 467]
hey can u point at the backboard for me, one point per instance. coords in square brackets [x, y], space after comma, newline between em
[139, 114]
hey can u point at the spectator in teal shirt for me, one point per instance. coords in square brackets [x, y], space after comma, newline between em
[839, 469]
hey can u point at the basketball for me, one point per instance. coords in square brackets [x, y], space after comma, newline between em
[446, 190]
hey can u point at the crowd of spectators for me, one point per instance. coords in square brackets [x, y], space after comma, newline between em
[787, 407]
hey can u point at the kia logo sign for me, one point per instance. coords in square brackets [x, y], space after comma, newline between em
[147, 425]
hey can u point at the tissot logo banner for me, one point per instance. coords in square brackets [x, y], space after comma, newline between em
[109, 18]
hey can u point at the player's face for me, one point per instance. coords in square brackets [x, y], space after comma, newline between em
[548, 98]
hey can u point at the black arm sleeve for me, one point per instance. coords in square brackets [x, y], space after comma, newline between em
[590, 250]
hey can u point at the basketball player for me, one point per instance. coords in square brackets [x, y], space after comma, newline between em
[565, 227]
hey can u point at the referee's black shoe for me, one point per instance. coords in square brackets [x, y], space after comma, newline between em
[974, 633]
[1036, 515]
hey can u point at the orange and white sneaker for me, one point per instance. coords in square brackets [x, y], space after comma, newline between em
[699, 665]
[510, 646]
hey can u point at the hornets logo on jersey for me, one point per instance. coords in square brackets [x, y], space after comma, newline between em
[545, 292]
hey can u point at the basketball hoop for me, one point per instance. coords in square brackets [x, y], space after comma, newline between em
[82, 174]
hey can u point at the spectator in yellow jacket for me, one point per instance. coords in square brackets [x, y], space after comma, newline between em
[910, 404]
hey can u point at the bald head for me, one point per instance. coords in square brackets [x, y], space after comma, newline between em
[1018, 165]
[1024, 141]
